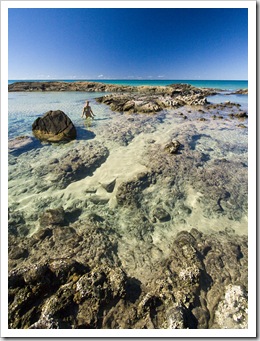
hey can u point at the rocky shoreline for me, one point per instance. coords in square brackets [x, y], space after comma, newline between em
[174, 89]
[130, 99]
[119, 231]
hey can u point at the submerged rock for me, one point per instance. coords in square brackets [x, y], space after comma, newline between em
[81, 283]
[160, 214]
[73, 165]
[172, 147]
[54, 126]
[21, 142]
[52, 217]
[232, 311]
[109, 185]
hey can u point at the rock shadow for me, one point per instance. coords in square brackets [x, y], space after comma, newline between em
[195, 139]
[190, 320]
[133, 289]
[35, 144]
[103, 118]
[85, 134]
[73, 216]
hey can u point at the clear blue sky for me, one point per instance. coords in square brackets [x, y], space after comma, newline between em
[128, 43]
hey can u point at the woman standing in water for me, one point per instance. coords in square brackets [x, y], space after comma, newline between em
[87, 111]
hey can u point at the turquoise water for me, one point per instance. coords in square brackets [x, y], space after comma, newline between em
[25, 107]
[219, 84]
[235, 98]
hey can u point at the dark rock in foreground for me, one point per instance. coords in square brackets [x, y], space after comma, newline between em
[54, 126]
[71, 277]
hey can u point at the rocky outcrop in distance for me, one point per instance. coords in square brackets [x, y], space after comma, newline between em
[240, 92]
[130, 99]
[66, 86]
[173, 89]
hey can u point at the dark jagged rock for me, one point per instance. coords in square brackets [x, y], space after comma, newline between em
[52, 217]
[73, 277]
[54, 126]
[172, 147]
[223, 106]
[203, 279]
[160, 214]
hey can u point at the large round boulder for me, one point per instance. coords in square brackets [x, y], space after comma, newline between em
[54, 126]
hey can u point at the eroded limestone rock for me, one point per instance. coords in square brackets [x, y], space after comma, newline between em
[203, 279]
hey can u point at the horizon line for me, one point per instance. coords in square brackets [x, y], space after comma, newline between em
[127, 79]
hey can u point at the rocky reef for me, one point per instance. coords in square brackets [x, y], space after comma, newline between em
[71, 277]
[141, 225]
[155, 99]
[240, 92]
[88, 265]
[132, 99]
[65, 86]
[176, 89]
